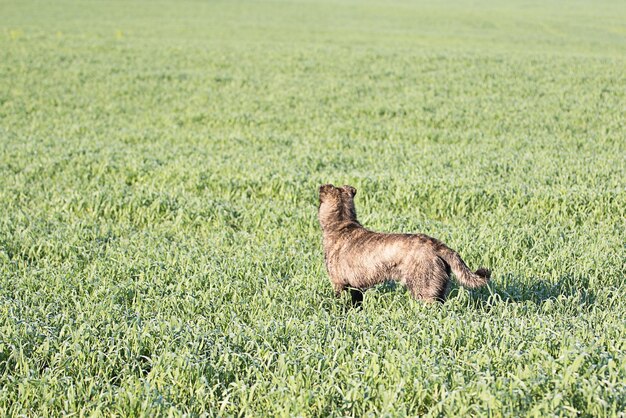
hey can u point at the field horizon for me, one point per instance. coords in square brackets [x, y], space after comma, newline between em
[160, 253]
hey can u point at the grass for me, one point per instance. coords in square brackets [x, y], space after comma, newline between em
[159, 248]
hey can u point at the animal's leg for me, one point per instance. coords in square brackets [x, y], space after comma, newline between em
[429, 279]
[357, 297]
[338, 287]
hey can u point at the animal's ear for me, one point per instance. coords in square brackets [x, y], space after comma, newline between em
[325, 188]
[351, 190]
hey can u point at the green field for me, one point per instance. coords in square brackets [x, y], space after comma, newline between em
[160, 253]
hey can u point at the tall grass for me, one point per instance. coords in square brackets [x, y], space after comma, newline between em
[159, 247]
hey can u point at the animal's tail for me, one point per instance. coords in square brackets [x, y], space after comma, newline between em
[465, 276]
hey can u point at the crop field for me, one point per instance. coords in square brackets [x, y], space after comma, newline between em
[160, 253]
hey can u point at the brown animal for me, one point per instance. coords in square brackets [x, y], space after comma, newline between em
[358, 258]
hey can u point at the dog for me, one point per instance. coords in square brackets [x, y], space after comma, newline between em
[357, 258]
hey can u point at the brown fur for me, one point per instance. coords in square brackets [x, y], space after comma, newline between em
[359, 258]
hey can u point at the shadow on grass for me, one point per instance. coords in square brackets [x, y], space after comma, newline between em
[504, 289]
[509, 289]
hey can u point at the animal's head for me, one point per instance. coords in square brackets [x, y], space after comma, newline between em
[336, 204]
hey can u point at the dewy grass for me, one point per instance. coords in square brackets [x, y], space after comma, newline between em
[159, 248]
